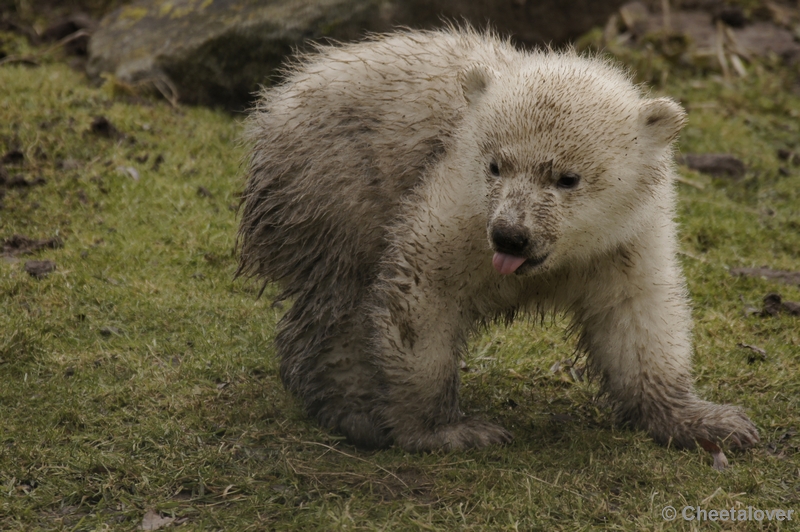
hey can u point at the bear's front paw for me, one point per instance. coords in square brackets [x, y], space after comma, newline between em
[465, 434]
[726, 425]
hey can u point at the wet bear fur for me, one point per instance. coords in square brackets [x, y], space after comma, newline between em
[407, 190]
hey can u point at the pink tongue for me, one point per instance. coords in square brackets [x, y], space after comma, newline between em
[506, 264]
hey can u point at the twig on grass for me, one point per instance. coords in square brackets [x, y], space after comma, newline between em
[695, 184]
[537, 479]
[357, 458]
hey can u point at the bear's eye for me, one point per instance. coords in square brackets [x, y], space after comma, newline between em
[568, 180]
[494, 169]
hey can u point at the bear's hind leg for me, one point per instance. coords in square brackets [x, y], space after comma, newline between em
[325, 366]
[347, 400]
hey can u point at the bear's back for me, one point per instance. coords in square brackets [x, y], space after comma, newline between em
[371, 115]
[340, 143]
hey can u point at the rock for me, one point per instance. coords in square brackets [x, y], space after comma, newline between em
[634, 17]
[217, 52]
[764, 38]
[108, 331]
[152, 520]
[715, 164]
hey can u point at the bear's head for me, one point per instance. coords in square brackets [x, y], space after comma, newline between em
[570, 157]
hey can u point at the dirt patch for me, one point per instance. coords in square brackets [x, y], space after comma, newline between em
[40, 268]
[12, 157]
[19, 181]
[789, 156]
[23, 245]
[714, 164]
[774, 305]
[4, 178]
[102, 127]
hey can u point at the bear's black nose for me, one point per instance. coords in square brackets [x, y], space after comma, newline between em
[510, 239]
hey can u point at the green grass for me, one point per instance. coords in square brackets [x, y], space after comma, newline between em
[140, 376]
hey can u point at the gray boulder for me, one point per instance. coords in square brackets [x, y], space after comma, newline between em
[217, 52]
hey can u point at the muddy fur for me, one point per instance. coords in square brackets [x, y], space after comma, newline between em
[395, 187]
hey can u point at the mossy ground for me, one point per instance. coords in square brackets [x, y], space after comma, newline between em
[140, 376]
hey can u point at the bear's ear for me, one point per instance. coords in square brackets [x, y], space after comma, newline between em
[662, 119]
[474, 82]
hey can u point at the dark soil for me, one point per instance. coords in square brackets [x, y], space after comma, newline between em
[774, 305]
[23, 245]
[40, 268]
[103, 128]
[715, 164]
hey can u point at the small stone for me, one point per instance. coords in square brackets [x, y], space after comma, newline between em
[108, 331]
[715, 164]
[40, 268]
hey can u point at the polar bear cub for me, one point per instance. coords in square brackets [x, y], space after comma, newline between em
[409, 189]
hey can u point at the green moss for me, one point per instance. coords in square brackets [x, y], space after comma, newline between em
[165, 9]
[133, 13]
[140, 376]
